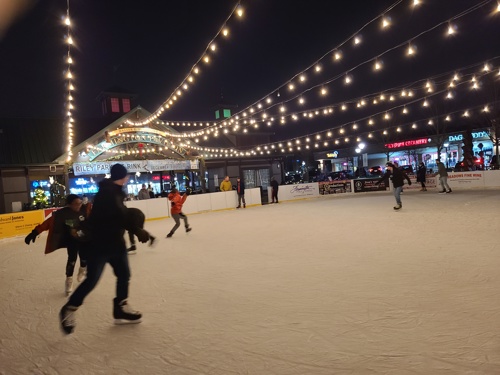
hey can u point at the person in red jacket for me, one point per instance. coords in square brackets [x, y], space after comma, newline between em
[176, 201]
[64, 228]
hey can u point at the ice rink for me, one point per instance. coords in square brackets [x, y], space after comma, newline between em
[339, 284]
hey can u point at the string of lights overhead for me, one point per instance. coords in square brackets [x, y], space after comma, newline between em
[69, 119]
[195, 70]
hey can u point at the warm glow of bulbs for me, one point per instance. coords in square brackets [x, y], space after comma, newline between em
[239, 11]
[225, 31]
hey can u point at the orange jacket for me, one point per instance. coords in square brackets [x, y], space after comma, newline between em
[176, 202]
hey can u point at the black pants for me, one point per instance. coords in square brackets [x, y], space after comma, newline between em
[241, 197]
[73, 251]
[118, 260]
[274, 195]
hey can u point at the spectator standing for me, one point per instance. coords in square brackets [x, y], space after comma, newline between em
[107, 225]
[176, 202]
[397, 176]
[143, 193]
[421, 173]
[225, 185]
[443, 177]
[240, 190]
[274, 193]
[151, 191]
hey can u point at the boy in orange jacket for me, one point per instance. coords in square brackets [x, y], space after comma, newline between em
[176, 201]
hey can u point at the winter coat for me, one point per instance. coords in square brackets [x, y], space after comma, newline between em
[226, 186]
[176, 202]
[442, 170]
[421, 172]
[274, 185]
[240, 187]
[397, 176]
[143, 194]
[59, 225]
[108, 219]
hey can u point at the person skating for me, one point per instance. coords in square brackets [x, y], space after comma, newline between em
[421, 174]
[64, 228]
[136, 219]
[176, 202]
[107, 225]
[397, 176]
[443, 177]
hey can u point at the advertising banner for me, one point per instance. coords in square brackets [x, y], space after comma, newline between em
[466, 179]
[297, 191]
[334, 187]
[143, 166]
[369, 184]
[19, 223]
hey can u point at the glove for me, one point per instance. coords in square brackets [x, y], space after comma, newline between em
[31, 237]
[142, 235]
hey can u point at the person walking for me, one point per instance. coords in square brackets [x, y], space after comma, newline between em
[176, 202]
[240, 190]
[64, 228]
[225, 185]
[274, 192]
[443, 177]
[421, 173]
[107, 225]
[397, 176]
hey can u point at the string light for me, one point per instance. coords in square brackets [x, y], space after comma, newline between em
[70, 87]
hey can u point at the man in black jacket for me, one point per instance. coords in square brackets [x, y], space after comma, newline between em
[107, 224]
[397, 176]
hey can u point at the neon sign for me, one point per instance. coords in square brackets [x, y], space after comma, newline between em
[413, 142]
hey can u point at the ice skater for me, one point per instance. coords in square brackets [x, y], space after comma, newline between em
[176, 202]
[275, 187]
[397, 176]
[64, 228]
[136, 219]
[107, 225]
[240, 190]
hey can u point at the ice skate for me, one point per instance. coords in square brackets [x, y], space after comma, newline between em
[398, 207]
[170, 234]
[67, 318]
[188, 229]
[82, 273]
[151, 240]
[132, 250]
[124, 314]
[68, 285]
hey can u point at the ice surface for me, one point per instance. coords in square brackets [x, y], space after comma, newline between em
[334, 285]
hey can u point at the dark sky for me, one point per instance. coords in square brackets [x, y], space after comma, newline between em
[148, 47]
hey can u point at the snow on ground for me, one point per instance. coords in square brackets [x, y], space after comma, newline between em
[334, 285]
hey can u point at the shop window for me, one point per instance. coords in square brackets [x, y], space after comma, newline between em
[126, 105]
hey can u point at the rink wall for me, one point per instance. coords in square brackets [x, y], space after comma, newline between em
[21, 223]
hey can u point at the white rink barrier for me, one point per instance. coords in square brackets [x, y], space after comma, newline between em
[159, 208]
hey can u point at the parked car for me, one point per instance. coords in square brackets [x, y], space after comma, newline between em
[376, 170]
[408, 169]
[341, 175]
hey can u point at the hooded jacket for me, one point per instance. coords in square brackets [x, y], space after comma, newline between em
[397, 176]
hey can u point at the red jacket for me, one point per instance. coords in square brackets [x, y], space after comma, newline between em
[176, 202]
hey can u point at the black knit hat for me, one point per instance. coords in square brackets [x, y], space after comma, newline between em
[118, 171]
[70, 198]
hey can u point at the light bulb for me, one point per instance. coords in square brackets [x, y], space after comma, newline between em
[239, 11]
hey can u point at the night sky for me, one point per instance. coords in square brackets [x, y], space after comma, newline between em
[148, 47]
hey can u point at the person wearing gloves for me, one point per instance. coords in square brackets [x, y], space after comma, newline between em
[107, 225]
[65, 228]
[397, 177]
[176, 202]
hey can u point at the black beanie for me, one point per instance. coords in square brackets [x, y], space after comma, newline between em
[70, 198]
[118, 171]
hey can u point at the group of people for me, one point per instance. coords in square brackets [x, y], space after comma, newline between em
[97, 236]
[397, 176]
[226, 185]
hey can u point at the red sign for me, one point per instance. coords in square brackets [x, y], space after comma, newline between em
[414, 142]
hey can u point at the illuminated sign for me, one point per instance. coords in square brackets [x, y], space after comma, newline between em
[413, 142]
[460, 137]
[332, 155]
